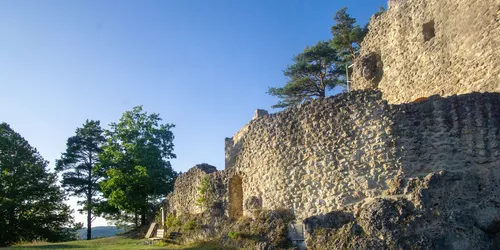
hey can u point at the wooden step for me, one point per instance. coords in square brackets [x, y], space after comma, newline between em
[174, 235]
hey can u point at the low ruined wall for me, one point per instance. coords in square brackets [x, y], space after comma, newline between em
[420, 48]
[187, 197]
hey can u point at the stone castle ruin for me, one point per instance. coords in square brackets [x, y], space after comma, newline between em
[373, 168]
[421, 48]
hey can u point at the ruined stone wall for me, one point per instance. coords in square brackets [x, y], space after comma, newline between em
[447, 194]
[317, 157]
[331, 153]
[376, 176]
[186, 196]
[420, 48]
[335, 152]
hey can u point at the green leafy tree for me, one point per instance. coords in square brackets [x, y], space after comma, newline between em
[315, 70]
[113, 215]
[31, 204]
[347, 36]
[135, 157]
[78, 165]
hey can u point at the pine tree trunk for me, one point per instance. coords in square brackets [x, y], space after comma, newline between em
[89, 223]
[89, 199]
[136, 219]
[143, 216]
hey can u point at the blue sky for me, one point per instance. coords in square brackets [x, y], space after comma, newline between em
[203, 65]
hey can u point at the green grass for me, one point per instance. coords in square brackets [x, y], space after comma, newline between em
[110, 243]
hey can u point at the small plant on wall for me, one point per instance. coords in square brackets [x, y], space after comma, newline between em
[233, 235]
[203, 195]
[172, 222]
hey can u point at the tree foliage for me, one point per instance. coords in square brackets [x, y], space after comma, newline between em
[31, 204]
[113, 215]
[135, 157]
[381, 11]
[315, 70]
[80, 176]
[347, 35]
[323, 66]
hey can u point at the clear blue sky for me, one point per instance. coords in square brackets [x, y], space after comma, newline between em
[204, 65]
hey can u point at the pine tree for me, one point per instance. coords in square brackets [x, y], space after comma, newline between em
[315, 70]
[347, 36]
[78, 165]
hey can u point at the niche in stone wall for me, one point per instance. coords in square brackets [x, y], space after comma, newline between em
[371, 68]
[235, 197]
[429, 31]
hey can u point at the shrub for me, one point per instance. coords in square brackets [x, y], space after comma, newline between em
[189, 225]
[172, 221]
[203, 194]
[233, 235]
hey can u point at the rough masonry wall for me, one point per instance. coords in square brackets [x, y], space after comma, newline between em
[458, 133]
[335, 152]
[186, 196]
[447, 194]
[420, 48]
[316, 157]
[363, 174]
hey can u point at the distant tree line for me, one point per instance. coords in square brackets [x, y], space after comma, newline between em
[321, 67]
[121, 173]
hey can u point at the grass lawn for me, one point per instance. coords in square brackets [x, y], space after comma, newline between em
[109, 243]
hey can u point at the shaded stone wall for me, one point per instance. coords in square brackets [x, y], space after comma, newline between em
[420, 48]
[458, 133]
[333, 153]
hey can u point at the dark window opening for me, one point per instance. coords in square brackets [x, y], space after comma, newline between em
[429, 31]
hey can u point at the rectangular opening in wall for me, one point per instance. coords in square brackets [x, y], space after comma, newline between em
[429, 31]
[235, 197]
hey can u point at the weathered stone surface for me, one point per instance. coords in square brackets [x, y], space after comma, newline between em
[331, 220]
[376, 176]
[447, 210]
[371, 69]
[259, 113]
[337, 151]
[432, 47]
[302, 158]
[186, 196]
[253, 203]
